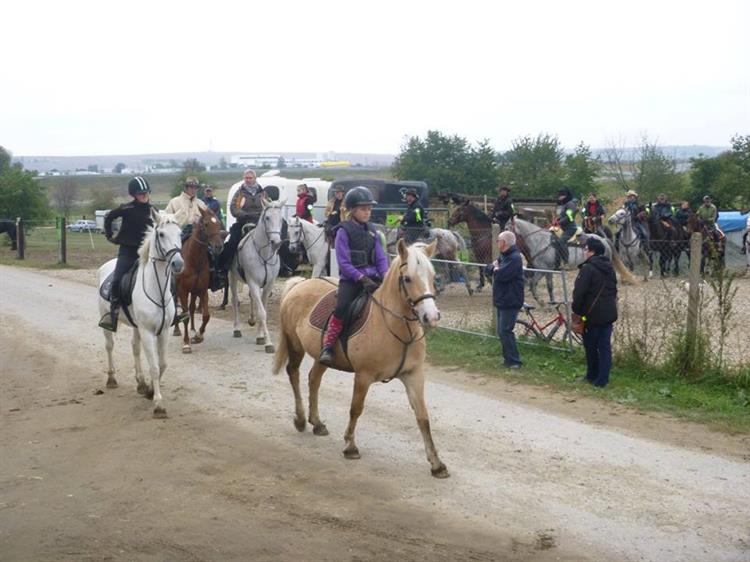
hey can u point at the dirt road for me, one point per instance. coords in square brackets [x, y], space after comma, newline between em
[86, 475]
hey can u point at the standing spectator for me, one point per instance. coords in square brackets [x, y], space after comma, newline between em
[708, 212]
[414, 220]
[507, 294]
[595, 301]
[213, 204]
[503, 210]
[305, 202]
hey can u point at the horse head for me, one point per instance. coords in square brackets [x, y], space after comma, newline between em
[165, 243]
[619, 217]
[417, 281]
[460, 214]
[270, 223]
[210, 231]
[295, 234]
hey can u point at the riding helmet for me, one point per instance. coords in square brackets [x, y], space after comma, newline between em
[564, 191]
[359, 195]
[138, 185]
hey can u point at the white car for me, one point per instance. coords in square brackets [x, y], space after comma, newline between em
[82, 225]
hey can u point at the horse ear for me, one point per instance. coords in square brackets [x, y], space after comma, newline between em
[430, 248]
[155, 216]
[403, 251]
[282, 202]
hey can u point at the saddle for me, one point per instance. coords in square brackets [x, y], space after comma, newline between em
[354, 320]
[127, 284]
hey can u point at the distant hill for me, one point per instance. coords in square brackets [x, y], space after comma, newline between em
[677, 152]
[144, 161]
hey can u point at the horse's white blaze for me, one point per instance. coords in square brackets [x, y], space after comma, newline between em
[419, 267]
[213, 219]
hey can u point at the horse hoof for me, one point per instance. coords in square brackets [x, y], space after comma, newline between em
[260, 341]
[111, 382]
[221, 307]
[270, 348]
[160, 413]
[237, 334]
[352, 453]
[251, 322]
[320, 429]
[142, 388]
[300, 424]
[176, 331]
[196, 339]
[440, 472]
[149, 393]
[186, 349]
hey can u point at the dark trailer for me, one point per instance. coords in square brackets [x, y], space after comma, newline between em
[389, 194]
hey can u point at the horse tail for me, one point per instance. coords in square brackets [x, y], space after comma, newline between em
[460, 240]
[282, 351]
[626, 277]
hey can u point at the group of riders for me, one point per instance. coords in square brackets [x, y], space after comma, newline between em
[592, 211]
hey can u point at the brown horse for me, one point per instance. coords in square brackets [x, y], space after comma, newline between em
[480, 231]
[195, 278]
[390, 343]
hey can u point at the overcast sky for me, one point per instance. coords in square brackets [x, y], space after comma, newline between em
[135, 77]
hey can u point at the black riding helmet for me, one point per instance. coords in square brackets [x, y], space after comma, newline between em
[359, 195]
[138, 185]
[564, 192]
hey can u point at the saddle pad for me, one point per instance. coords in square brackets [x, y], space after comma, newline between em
[127, 283]
[324, 309]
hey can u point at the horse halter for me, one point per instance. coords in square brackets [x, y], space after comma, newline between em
[169, 254]
[403, 279]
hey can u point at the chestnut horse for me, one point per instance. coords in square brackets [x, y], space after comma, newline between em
[389, 345]
[480, 231]
[194, 280]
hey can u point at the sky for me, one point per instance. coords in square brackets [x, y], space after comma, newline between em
[97, 78]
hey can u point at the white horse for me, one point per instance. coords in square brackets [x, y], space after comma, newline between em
[152, 308]
[629, 241]
[313, 238]
[258, 257]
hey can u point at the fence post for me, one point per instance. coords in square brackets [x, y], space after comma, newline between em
[564, 279]
[20, 239]
[62, 236]
[696, 255]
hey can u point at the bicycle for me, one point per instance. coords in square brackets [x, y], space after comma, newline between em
[529, 327]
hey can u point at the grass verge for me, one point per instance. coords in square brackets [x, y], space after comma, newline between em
[722, 404]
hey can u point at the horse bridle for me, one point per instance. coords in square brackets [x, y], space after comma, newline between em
[301, 236]
[166, 257]
[270, 260]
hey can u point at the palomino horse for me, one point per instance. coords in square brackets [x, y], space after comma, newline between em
[312, 237]
[8, 226]
[194, 280]
[389, 345]
[480, 231]
[152, 307]
[257, 264]
[541, 253]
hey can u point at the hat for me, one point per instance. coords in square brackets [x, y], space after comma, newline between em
[208, 188]
[706, 197]
[631, 192]
[505, 187]
[595, 245]
[411, 191]
[191, 182]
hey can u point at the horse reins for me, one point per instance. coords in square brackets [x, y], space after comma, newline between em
[258, 250]
[166, 257]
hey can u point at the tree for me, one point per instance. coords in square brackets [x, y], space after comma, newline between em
[581, 170]
[280, 163]
[101, 199]
[223, 163]
[534, 166]
[193, 166]
[119, 167]
[447, 163]
[65, 195]
[725, 177]
[20, 194]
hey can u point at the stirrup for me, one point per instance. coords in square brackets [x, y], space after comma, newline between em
[106, 323]
[180, 317]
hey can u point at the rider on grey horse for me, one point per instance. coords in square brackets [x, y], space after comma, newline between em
[566, 211]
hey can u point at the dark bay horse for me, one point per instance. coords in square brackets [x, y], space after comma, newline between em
[8, 226]
[194, 280]
[480, 231]
[669, 240]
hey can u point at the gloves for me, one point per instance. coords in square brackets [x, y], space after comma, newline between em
[369, 285]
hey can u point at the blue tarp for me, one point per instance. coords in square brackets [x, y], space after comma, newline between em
[732, 221]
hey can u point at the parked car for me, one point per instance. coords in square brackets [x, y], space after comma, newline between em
[82, 225]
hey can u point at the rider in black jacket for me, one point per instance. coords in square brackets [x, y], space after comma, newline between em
[136, 218]
[503, 209]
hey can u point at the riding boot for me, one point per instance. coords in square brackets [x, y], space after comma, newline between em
[335, 325]
[178, 316]
[109, 321]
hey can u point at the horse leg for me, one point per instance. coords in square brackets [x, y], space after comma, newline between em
[550, 286]
[263, 318]
[186, 333]
[361, 386]
[150, 344]
[193, 298]
[294, 359]
[314, 379]
[141, 387]
[251, 318]
[109, 344]
[480, 285]
[414, 384]
[533, 283]
[205, 317]
[225, 298]
[235, 303]
[256, 301]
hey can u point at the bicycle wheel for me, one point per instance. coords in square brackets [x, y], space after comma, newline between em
[576, 338]
[526, 330]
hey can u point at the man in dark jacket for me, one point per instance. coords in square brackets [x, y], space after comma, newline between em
[595, 300]
[507, 294]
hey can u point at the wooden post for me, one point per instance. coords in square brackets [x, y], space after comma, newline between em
[63, 237]
[696, 243]
[20, 239]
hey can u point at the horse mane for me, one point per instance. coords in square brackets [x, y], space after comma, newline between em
[144, 250]
[478, 214]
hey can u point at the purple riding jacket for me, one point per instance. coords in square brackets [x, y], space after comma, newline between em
[343, 256]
